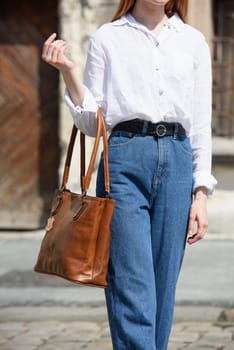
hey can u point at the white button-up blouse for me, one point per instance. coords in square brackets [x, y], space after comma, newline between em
[132, 73]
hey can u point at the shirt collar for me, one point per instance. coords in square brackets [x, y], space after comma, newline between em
[174, 21]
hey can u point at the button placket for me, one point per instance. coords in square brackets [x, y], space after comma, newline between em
[159, 88]
[157, 73]
[156, 56]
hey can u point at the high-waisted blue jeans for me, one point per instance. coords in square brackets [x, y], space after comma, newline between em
[151, 181]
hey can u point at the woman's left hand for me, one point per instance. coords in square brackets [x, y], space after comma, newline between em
[198, 214]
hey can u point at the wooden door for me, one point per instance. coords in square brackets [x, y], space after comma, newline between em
[29, 152]
[223, 116]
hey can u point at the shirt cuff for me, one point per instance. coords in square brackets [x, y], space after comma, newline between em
[89, 103]
[84, 116]
[204, 179]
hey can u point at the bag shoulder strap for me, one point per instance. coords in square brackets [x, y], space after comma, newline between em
[86, 179]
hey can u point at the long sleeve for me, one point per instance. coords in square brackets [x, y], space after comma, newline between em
[85, 116]
[201, 130]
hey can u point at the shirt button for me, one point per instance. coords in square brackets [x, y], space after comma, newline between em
[160, 92]
[156, 43]
[157, 69]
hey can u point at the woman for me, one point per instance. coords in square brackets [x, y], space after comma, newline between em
[151, 74]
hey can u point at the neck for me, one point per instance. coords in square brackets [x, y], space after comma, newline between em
[149, 15]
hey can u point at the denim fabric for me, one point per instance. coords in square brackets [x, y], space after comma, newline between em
[151, 181]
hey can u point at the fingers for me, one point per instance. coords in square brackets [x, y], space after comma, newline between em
[50, 39]
[202, 224]
[194, 238]
[53, 51]
[191, 225]
[47, 44]
[58, 54]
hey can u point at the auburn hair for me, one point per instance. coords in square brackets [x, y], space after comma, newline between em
[179, 6]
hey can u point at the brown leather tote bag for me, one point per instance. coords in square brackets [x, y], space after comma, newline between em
[77, 239]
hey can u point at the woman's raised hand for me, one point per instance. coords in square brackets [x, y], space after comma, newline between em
[53, 53]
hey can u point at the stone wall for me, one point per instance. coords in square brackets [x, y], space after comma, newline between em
[200, 16]
[78, 19]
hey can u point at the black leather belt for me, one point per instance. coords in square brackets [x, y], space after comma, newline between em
[160, 129]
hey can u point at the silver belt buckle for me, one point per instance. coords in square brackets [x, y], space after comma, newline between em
[160, 130]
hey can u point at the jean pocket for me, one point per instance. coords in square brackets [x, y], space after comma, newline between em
[121, 138]
[184, 145]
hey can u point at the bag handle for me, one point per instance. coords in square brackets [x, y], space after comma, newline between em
[85, 179]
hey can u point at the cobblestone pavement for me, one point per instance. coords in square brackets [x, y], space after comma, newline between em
[54, 335]
[38, 312]
[92, 333]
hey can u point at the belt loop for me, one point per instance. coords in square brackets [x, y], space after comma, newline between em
[176, 129]
[145, 126]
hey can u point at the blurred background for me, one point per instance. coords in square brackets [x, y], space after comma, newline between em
[35, 124]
